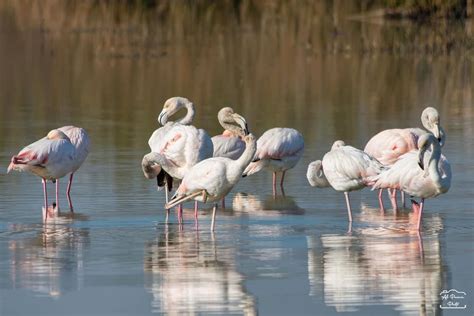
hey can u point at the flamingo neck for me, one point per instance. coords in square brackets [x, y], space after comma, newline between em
[433, 168]
[247, 156]
[188, 118]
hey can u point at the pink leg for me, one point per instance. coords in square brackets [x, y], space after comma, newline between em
[196, 222]
[415, 206]
[180, 213]
[393, 198]
[57, 194]
[382, 208]
[223, 202]
[274, 183]
[349, 211]
[45, 193]
[68, 192]
[213, 221]
[420, 213]
[281, 183]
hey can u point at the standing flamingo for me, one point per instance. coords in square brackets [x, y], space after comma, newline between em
[278, 149]
[388, 145]
[212, 179]
[418, 173]
[176, 146]
[79, 138]
[346, 168]
[50, 158]
[230, 144]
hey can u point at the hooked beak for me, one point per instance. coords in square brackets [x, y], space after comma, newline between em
[162, 118]
[436, 132]
[242, 123]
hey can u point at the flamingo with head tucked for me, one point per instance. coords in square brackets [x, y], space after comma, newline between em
[212, 179]
[176, 146]
[52, 157]
[229, 144]
[346, 169]
[419, 173]
[388, 145]
[278, 149]
[79, 138]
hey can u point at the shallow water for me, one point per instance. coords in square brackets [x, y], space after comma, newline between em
[292, 255]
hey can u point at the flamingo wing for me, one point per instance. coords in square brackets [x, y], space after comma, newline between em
[278, 143]
[228, 146]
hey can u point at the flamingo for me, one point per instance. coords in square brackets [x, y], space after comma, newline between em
[79, 138]
[346, 168]
[175, 147]
[418, 172]
[278, 149]
[52, 157]
[315, 175]
[229, 144]
[212, 179]
[388, 145]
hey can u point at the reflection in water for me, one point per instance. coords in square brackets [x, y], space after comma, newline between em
[189, 274]
[379, 266]
[53, 261]
[268, 206]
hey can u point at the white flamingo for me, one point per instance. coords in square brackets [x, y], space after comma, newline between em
[388, 145]
[346, 169]
[278, 149]
[212, 179]
[176, 147]
[418, 173]
[52, 157]
[315, 175]
[79, 138]
[229, 144]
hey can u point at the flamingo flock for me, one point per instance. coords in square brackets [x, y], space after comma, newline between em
[206, 169]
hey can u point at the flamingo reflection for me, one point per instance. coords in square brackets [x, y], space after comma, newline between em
[52, 262]
[379, 266]
[187, 273]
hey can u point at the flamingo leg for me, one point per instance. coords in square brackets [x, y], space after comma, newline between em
[349, 211]
[45, 193]
[166, 192]
[223, 202]
[68, 192]
[274, 183]
[180, 213]
[392, 193]
[420, 213]
[382, 208]
[196, 222]
[57, 194]
[213, 221]
[282, 179]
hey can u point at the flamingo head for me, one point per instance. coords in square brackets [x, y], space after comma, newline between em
[424, 142]
[56, 134]
[338, 144]
[232, 121]
[430, 120]
[171, 106]
[150, 166]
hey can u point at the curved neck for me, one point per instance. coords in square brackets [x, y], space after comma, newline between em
[188, 118]
[247, 156]
[433, 167]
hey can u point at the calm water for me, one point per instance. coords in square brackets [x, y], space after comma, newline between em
[330, 76]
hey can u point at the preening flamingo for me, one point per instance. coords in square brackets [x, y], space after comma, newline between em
[388, 145]
[50, 158]
[212, 179]
[421, 173]
[230, 144]
[346, 169]
[315, 175]
[175, 147]
[79, 138]
[278, 149]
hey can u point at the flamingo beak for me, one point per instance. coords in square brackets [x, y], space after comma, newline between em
[242, 123]
[163, 118]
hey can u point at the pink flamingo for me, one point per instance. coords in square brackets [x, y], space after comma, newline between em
[230, 144]
[422, 173]
[175, 147]
[278, 149]
[50, 158]
[388, 145]
[346, 168]
[79, 138]
[212, 179]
